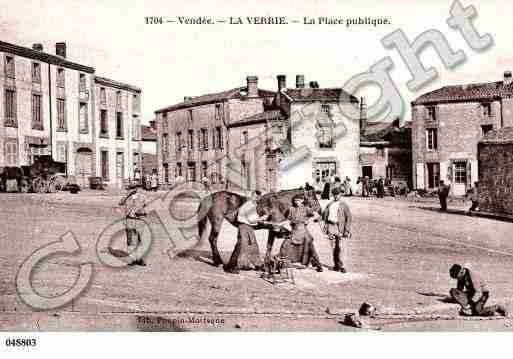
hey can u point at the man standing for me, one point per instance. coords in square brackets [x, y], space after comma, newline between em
[472, 293]
[246, 254]
[474, 197]
[134, 203]
[337, 225]
[443, 193]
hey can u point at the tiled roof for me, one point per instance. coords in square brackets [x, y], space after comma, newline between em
[467, 92]
[386, 132]
[259, 117]
[148, 134]
[320, 94]
[238, 92]
[116, 84]
[42, 56]
[501, 135]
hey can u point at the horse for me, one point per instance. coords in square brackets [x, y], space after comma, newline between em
[225, 204]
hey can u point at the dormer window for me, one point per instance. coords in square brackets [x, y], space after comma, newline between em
[487, 109]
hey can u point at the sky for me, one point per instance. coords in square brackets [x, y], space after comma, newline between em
[170, 61]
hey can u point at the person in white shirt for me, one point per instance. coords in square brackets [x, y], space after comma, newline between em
[337, 225]
[246, 254]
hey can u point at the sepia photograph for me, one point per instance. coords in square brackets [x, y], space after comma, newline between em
[286, 166]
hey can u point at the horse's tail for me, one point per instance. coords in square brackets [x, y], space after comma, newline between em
[203, 211]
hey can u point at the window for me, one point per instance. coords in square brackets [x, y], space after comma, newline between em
[191, 172]
[60, 78]
[431, 137]
[37, 123]
[104, 130]
[119, 125]
[11, 152]
[165, 169]
[431, 113]
[10, 108]
[165, 145]
[36, 72]
[380, 152]
[165, 124]
[325, 137]
[191, 140]
[487, 109]
[204, 172]
[81, 83]
[189, 116]
[135, 128]
[120, 164]
[83, 125]
[10, 70]
[118, 99]
[104, 165]
[485, 129]
[218, 138]
[135, 103]
[460, 172]
[218, 112]
[178, 142]
[325, 108]
[178, 170]
[244, 138]
[103, 96]
[61, 114]
[204, 139]
[62, 152]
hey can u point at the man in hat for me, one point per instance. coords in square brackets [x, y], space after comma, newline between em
[474, 197]
[443, 193]
[337, 225]
[472, 293]
[134, 205]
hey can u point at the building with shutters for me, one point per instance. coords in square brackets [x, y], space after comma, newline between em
[447, 125]
[241, 138]
[53, 106]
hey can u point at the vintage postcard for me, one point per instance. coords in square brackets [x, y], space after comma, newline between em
[282, 166]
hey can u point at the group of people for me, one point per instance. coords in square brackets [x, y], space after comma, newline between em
[472, 194]
[149, 182]
[298, 245]
[335, 183]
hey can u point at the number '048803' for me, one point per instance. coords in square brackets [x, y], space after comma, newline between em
[20, 342]
[150, 20]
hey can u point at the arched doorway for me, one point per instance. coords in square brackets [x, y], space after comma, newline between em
[84, 166]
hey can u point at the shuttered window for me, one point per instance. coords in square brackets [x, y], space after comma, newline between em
[11, 153]
[37, 123]
[61, 114]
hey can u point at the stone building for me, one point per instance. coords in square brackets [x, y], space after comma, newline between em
[53, 106]
[385, 151]
[495, 161]
[194, 139]
[447, 126]
[246, 138]
[149, 148]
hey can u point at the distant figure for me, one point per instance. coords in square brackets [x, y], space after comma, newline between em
[154, 181]
[474, 197]
[337, 225]
[205, 182]
[308, 186]
[443, 193]
[326, 190]
[348, 188]
[365, 186]
[472, 293]
[137, 176]
[337, 184]
[381, 188]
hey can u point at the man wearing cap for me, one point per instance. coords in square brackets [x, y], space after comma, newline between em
[337, 225]
[472, 293]
[134, 205]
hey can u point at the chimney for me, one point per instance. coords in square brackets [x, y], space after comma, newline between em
[363, 115]
[282, 84]
[507, 78]
[300, 81]
[37, 47]
[60, 49]
[252, 82]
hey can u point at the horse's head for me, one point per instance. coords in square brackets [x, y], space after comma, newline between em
[311, 200]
